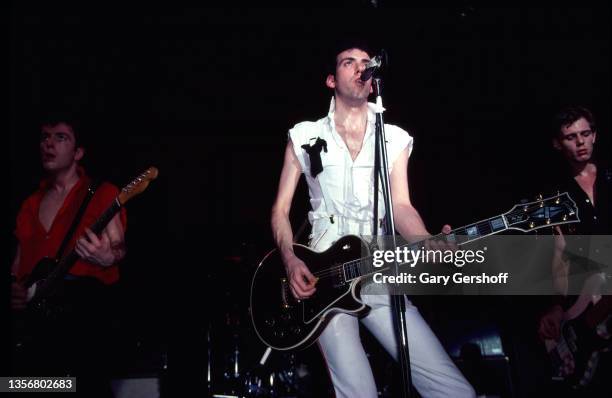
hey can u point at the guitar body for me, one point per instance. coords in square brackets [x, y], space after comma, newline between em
[27, 322]
[38, 275]
[59, 304]
[284, 323]
[574, 356]
[49, 304]
[41, 270]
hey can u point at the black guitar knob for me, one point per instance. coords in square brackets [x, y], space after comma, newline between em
[270, 322]
[286, 316]
[296, 330]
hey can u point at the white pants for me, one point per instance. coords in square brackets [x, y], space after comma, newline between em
[433, 372]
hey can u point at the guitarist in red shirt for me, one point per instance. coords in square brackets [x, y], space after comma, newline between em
[71, 341]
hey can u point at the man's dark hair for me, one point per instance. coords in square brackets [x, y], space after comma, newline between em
[53, 118]
[342, 45]
[569, 115]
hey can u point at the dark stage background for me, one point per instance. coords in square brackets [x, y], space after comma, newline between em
[207, 95]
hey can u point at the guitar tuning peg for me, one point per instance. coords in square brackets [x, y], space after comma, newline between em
[531, 224]
[565, 217]
[548, 221]
[539, 197]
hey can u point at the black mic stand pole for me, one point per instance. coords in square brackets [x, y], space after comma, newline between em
[381, 170]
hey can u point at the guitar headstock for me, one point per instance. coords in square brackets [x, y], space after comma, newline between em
[543, 212]
[137, 185]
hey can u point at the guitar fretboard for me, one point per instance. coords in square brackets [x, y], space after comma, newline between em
[462, 235]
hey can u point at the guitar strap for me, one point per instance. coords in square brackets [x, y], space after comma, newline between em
[93, 186]
[298, 235]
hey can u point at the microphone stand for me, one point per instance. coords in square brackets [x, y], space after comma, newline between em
[381, 172]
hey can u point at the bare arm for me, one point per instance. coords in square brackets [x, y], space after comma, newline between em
[550, 322]
[407, 220]
[560, 265]
[301, 280]
[15, 265]
[18, 292]
[281, 227]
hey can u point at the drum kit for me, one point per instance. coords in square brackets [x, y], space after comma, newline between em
[238, 363]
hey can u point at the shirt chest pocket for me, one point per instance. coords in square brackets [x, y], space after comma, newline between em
[363, 183]
[334, 169]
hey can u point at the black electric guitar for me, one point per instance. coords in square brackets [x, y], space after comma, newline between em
[284, 323]
[46, 278]
[586, 332]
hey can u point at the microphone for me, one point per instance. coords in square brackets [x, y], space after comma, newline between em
[372, 66]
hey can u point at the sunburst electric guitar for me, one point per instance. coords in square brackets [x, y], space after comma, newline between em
[47, 276]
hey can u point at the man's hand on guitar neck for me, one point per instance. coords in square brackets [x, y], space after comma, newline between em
[550, 323]
[441, 245]
[105, 250]
[301, 280]
[95, 250]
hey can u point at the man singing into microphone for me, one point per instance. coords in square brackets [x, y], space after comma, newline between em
[336, 155]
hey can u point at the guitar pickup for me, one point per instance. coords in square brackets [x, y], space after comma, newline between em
[339, 276]
[285, 292]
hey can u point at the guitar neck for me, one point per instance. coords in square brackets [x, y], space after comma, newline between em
[471, 232]
[459, 236]
[66, 263]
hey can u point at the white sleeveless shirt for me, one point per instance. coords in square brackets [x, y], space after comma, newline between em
[343, 192]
